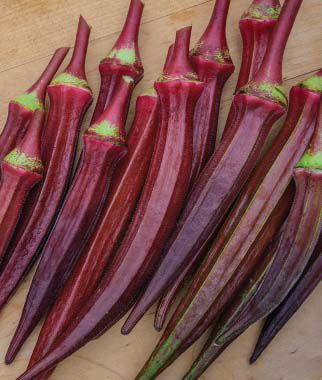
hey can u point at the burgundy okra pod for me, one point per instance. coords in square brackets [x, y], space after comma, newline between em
[123, 60]
[21, 169]
[301, 291]
[22, 108]
[212, 62]
[168, 180]
[261, 248]
[256, 26]
[202, 303]
[257, 106]
[70, 97]
[298, 239]
[104, 147]
[111, 227]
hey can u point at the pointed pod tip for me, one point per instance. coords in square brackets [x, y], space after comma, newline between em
[254, 357]
[83, 23]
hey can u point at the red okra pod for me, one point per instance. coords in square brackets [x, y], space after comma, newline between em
[214, 347]
[123, 60]
[104, 147]
[70, 97]
[258, 105]
[21, 169]
[22, 108]
[168, 180]
[298, 240]
[198, 309]
[310, 279]
[216, 343]
[120, 205]
[256, 26]
[213, 64]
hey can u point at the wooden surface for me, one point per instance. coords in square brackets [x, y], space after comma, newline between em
[30, 31]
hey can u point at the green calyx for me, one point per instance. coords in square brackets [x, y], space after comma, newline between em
[126, 56]
[150, 92]
[310, 161]
[21, 160]
[29, 101]
[262, 12]
[70, 80]
[313, 84]
[106, 129]
[266, 91]
[221, 56]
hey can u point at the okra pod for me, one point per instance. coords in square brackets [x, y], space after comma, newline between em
[104, 147]
[256, 26]
[111, 227]
[212, 62]
[258, 105]
[70, 97]
[21, 169]
[310, 279]
[123, 59]
[22, 108]
[168, 179]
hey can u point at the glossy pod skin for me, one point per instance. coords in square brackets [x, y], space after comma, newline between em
[257, 107]
[214, 347]
[256, 26]
[123, 60]
[158, 208]
[104, 147]
[70, 97]
[297, 242]
[198, 309]
[288, 146]
[301, 291]
[22, 108]
[213, 65]
[21, 169]
[111, 227]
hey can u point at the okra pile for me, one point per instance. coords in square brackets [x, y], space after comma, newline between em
[163, 213]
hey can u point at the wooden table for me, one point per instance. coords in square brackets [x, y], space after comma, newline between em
[30, 31]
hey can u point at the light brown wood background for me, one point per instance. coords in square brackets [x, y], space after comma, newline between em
[30, 31]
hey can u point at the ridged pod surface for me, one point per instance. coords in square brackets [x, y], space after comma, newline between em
[111, 227]
[160, 203]
[123, 59]
[301, 291]
[287, 147]
[104, 147]
[258, 105]
[21, 169]
[256, 26]
[70, 97]
[211, 60]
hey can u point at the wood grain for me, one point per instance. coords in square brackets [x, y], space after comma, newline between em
[30, 31]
